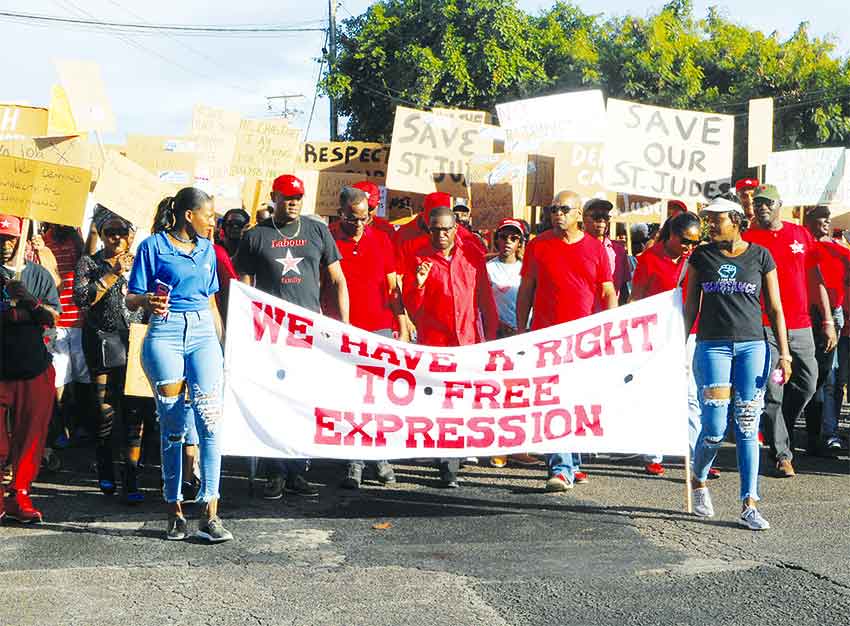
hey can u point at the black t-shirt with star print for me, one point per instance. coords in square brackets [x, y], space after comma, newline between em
[287, 261]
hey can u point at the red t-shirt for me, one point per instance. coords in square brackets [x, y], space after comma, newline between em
[224, 269]
[366, 264]
[67, 255]
[656, 272]
[383, 225]
[411, 236]
[834, 264]
[568, 277]
[794, 251]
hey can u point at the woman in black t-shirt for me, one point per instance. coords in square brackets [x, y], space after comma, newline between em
[726, 281]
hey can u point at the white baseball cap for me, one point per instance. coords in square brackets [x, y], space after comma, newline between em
[722, 205]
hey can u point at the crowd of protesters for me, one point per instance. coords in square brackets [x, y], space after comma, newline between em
[764, 302]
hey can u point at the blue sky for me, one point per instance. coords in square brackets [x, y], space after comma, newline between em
[154, 81]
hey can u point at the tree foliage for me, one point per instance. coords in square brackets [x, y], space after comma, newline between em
[476, 53]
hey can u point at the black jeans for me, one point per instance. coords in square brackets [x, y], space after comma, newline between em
[783, 404]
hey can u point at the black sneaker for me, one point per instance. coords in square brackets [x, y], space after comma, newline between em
[176, 529]
[190, 490]
[300, 487]
[274, 487]
[353, 477]
[386, 475]
[213, 531]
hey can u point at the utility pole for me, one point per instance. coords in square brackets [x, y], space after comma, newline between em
[334, 127]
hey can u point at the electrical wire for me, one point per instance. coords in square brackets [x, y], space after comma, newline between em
[316, 92]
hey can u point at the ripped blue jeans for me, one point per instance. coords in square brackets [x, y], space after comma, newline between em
[731, 372]
[184, 348]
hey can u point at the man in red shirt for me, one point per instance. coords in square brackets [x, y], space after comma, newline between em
[374, 300]
[823, 411]
[800, 281]
[745, 190]
[563, 273]
[373, 195]
[448, 296]
[416, 232]
[597, 224]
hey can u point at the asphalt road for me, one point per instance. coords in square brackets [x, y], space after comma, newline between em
[618, 550]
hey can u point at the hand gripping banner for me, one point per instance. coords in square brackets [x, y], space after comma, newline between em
[300, 385]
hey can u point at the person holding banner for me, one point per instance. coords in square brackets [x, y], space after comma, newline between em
[727, 281]
[29, 302]
[99, 287]
[174, 279]
[285, 256]
[448, 297]
[373, 194]
[373, 294]
[800, 282]
[658, 270]
[564, 271]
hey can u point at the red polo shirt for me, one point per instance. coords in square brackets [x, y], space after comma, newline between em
[656, 272]
[569, 276]
[455, 306]
[794, 251]
[834, 264]
[411, 236]
[383, 225]
[366, 264]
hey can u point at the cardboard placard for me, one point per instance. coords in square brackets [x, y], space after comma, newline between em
[321, 190]
[760, 131]
[808, 177]
[214, 132]
[401, 205]
[86, 93]
[44, 191]
[60, 119]
[265, 149]
[575, 116]
[367, 159]
[540, 185]
[171, 159]
[497, 188]
[467, 115]
[578, 168]
[666, 153]
[22, 121]
[71, 151]
[431, 152]
[128, 189]
[136, 383]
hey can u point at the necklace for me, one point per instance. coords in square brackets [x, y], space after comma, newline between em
[179, 238]
[293, 236]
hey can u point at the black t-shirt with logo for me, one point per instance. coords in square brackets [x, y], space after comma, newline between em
[287, 262]
[731, 292]
[23, 354]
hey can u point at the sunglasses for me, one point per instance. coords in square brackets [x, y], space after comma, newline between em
[689, 242]
[762, 202]
[600, 217]
[441, 229]
[116, 232]
[555, 209]
[350, 219]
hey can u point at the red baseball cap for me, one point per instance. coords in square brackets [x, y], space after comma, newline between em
[510, 222]
[10, 225]
[288, 185]
[677, 204]
[435, 200]
[746, 183]
[373, 193]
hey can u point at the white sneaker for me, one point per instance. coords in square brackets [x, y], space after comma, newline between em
[702, 502]
[752, 519]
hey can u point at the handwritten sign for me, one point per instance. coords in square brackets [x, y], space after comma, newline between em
[171, 159]
[497, 188]
[86, 93]
[578, 168]
[760, 131]
[44, 191]
[321, 190]
[575, 116]
[71, 151]
[22, 121]
[214, 132]
[476, 117]
[806, 177]
[666, 153]
[367, 159]
[432, 152]
[128, 189]
[265, 149]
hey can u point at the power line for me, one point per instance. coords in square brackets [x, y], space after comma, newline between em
[316, 93]
[147, 29]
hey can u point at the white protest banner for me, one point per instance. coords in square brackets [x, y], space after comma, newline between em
[265, 149]
[667, 153]
[575, 116]
[431, 152]
[298, 384]
[86, 94]
[806, 177]
[367, 159]
[128, 189]
[759, 131]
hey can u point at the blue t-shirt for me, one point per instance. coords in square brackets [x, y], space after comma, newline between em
[191, 275]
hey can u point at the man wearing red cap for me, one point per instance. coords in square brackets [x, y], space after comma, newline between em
[28, 303]
[564, 272]
[417, 229]
[285, 256]
[445, 292]
[745, 188]
[373, 195]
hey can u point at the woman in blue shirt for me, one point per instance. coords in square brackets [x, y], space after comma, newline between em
[174, 278]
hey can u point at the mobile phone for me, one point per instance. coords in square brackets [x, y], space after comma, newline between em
[162, 289]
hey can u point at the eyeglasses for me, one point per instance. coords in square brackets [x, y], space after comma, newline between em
[600, 217]
[689, 242]
[509, 237]
[556, 208]
[350, 219]
[116, 232]
[763, 201]
[442, 229]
